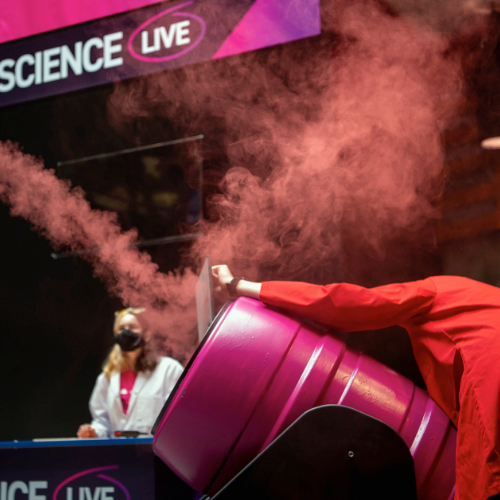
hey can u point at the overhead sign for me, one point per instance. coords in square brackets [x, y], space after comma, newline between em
[151, 39]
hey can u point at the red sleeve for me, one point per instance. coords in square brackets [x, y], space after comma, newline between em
[349, 308]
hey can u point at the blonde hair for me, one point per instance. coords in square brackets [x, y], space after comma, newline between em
[115, 363]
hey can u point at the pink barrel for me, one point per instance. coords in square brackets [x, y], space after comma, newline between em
[258, 370]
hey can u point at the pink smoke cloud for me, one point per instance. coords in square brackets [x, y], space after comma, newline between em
[65, 218]
[328, 139]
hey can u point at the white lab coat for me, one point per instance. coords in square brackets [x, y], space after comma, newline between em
[150, 391]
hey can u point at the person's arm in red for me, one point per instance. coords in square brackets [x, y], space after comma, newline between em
[341, 306]
[347, 307]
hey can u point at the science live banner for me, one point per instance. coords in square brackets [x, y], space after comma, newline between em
[87, 469]
[155, 38]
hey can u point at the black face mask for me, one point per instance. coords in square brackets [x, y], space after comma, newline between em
[129, 341]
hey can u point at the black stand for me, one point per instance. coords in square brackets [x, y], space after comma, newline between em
[330, 452]
[168, 485]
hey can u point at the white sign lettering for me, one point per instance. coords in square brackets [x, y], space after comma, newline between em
[161, 36]
[8, 492]
[52, 64]
[85, 493]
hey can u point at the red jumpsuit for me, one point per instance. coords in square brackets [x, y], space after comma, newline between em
[454, 327]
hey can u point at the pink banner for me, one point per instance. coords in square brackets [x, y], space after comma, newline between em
[22, 18]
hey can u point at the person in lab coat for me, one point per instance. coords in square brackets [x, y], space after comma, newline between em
[133, 386]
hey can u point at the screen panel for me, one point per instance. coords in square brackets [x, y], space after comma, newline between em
[204, 299]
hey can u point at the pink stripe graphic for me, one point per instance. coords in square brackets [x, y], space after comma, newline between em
[23, 18]
[80, 474]
[114, 481]
[272, 22]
